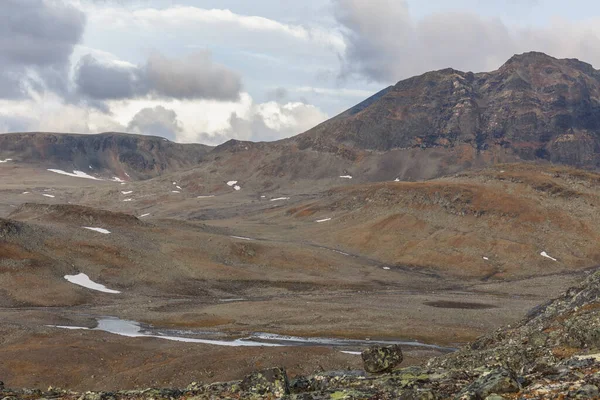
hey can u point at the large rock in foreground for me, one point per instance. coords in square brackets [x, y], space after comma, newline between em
[378, 359]
[272, 381]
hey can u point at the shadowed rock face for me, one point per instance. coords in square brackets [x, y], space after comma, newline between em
[141, 157]
[535, 105]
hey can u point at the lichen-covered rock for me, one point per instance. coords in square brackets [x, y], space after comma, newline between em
[377, 359]
[498, 381]
[587, 392]
[270, 381]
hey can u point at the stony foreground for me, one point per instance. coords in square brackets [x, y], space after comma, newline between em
[554, 353]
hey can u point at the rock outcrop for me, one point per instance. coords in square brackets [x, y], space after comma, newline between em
[379, 359]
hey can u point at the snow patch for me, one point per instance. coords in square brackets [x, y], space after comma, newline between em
[48, 195]
[230, 300]
[241, 237]
[72, 328]
[25, 193]
[128, 200]
[179, 187]
[354, 353]
[340, 252]
[387, 268]
[205, 197]
[544, 254]
[127, 192]
[231, 183]
[144, 215]
[280, 198]
[236, 187]
[82, 279]
[346, 176]
[117, 179]
[5, 161]
[397, 180]
[75, 174]
[100, 230]
[175, 191]
[323, 220]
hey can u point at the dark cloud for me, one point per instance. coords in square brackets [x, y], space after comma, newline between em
[37, 38]
[157, 121]
[193, 77]
[196, 76]
[102, 81]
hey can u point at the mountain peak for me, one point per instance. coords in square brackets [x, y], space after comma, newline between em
[535, 58]
[530, 57]
[534, 106]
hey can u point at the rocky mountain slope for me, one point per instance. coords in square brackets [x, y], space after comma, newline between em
[553, 353]
[535, 105]
[119, 154]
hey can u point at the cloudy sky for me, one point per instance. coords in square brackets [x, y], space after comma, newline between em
[210, 70]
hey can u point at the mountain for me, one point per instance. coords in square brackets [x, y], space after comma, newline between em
[311, 243]
[141, 157]
[535, 106]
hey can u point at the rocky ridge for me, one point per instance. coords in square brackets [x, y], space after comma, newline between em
[553, 353]
[124, 155]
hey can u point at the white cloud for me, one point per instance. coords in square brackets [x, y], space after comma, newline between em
[50, 113]
[186, 17]
[268, 121]
[178, 27]
[385, 43]
[179, 120]
[359, 93]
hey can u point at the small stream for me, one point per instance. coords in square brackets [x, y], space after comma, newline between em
[259, 339]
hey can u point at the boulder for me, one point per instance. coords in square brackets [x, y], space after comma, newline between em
[496, 382]
[272, 381]
[587, 392]
[379, 359]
